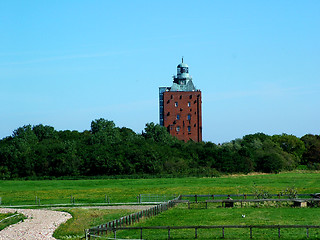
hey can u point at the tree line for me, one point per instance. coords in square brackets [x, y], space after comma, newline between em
[106, 150]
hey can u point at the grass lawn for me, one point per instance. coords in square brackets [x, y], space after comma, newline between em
[182, 216]
[127, 190]
[85, 218]
[9, 221]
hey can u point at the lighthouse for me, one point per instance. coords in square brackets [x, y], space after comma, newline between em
[180, 107]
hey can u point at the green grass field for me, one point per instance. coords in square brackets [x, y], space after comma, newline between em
[182, 216]
[5, 221]
[84, 219]
[127, 190]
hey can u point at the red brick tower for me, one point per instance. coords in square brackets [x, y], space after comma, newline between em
[180, 107]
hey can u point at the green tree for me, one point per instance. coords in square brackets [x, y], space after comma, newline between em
[290, 144]
[157, 133]
[44, 132]
[104, 132]
[311, 156]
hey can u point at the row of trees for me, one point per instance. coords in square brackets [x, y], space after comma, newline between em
[39, 151]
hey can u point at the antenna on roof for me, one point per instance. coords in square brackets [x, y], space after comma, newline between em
[182, 59]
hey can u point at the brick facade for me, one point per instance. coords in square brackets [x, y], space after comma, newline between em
[182, 115]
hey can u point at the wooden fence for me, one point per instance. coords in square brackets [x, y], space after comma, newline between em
[198, 197]
[129, 219]
[222, 227]
[230, 202]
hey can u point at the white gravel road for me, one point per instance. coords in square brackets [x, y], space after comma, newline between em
[40, 224]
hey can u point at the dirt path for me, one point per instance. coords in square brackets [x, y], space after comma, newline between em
[40, 224]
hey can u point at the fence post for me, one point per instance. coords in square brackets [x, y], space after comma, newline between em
[307, 232]
[279, 232]
[195, 232]
[250, 232]
[223, 232]
[141, 233]
[196, 198]
[168, 233]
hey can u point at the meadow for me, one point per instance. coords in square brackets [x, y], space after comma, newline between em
[83, 218]
[182, 216]
[127, 190]
[7, 219]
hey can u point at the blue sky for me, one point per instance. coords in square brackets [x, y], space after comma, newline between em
[66, 63]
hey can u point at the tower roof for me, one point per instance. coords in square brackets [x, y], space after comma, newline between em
[183, 65]
[182, 81]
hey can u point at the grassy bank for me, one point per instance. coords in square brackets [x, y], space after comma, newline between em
[7, 219]
[127, 190]
[86, 218]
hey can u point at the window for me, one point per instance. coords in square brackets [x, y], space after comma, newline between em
[189, 116]
[178, 116]
[171, 96]
[168, 114]
[180, 96]
[189, 129]
[176, 104]
[178, 129]
[189, 104]
[190, 96]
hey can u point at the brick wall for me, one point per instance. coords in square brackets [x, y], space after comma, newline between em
[182, 115]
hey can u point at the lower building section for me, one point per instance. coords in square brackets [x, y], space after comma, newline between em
[180, 113]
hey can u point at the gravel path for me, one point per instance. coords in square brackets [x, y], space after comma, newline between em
[40, 224]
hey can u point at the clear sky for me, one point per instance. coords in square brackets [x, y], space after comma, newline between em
[66, 63]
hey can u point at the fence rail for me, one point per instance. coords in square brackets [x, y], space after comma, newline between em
[245, 196]
[129, 219]
[222, 227]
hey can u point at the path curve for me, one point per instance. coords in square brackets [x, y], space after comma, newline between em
[40, 224]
